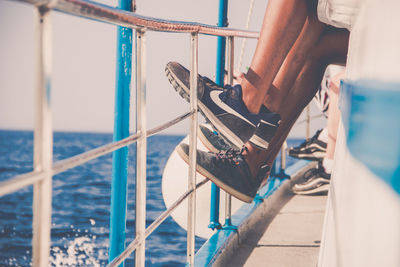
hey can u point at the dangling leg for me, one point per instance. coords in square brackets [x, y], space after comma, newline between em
[283, 23]
[284, 80]
[240, 173]
[331, 49]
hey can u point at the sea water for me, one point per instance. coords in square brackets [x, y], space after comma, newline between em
[81, 203]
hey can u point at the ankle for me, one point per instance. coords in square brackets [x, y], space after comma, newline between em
[272, 106]
[250, 98]
[273, 102]
[255, 158]
[251, 105]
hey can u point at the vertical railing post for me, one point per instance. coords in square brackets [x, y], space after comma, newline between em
[222, 22]
[219, 79]
[140, 218]
[192, 149]
[121, 130]
[230, 60]
[43, 139]
[308, 121]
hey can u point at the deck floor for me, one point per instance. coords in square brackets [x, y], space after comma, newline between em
[292, 238]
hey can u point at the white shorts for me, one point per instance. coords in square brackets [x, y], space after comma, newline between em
[338, 13]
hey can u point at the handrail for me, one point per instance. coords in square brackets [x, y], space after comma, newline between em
[20, 181]
[26, 179]
[105, 13]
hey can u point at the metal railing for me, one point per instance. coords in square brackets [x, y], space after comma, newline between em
[45, 169]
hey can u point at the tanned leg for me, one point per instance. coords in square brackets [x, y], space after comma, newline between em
[293, 63]
[283, 22]
[330, 49]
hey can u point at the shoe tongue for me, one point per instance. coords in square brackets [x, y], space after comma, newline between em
[264, 109]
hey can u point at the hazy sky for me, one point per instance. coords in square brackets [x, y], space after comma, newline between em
[84, 52]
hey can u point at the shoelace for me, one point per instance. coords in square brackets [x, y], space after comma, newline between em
[227, 89]
[230, 155]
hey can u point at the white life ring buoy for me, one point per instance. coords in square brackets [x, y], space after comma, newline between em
[175, 184]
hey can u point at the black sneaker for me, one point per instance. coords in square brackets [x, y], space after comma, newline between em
[179, 77]
[311, 149]
[266, 129]
[317, 182]
[222, 106]
[261, 138]
[228, 170]
[212, 140]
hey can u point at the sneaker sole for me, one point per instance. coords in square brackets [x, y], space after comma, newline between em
[184, 92]
[179, 87]
[323, 189]
[314, 156]
[310, 185]
[215, 180]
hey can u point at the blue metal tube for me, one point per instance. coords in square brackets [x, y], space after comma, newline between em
[219, 79]
[222, 22]
[121, 130]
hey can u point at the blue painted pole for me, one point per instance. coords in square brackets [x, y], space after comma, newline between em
[219, 79]
[121, 130]
[222, 22]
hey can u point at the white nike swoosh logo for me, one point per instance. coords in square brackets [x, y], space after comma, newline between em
[215, 97]
[265, 122]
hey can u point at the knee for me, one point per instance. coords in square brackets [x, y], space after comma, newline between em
[318, 58]
[331, 48]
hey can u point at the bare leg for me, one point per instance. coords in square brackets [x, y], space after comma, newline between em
[293, 63]
[283, 22]
[331, 48]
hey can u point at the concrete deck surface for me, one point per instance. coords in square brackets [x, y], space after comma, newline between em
[291, 239]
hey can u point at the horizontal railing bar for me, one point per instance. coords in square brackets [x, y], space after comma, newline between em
[66, 164]
[105, 13]
[20, 181]
[166, 125]
[136, 242]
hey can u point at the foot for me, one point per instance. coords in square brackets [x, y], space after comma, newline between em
[311, 149]
[261, 138]
[228, 170]
[266, 129]
[222, 106]
[179, 77]
[317, 182]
